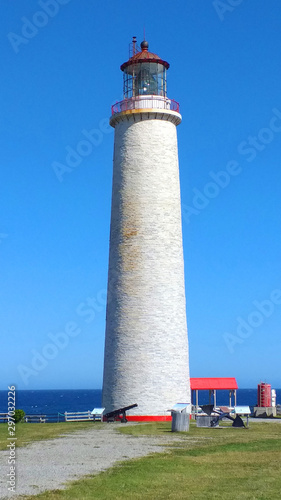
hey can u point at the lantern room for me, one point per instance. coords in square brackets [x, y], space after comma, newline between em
[145, 85]
[144, 73]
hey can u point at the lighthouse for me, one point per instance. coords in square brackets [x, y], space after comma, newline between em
[146, 345]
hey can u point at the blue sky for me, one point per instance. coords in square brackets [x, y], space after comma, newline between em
[60, 75]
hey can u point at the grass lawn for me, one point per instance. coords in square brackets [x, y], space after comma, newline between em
[26, 433]
[207, 464]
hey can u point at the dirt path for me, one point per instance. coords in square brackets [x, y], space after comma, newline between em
[46, 465]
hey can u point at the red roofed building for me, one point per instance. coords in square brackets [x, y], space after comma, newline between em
[212, 385]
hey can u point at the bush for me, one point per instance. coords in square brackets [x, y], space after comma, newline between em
[19, 414]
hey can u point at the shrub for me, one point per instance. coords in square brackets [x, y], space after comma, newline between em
[19, 414]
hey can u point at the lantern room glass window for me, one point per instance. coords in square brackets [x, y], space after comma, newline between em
[145, 78]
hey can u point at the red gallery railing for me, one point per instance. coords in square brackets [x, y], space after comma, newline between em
[145, 102]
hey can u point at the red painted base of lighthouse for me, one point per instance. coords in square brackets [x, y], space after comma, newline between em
[146, 418]
[149, 418]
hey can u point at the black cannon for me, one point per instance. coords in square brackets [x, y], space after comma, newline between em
[118, 415]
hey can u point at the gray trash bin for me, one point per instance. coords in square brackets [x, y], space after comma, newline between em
[180, 417]
[180, 421]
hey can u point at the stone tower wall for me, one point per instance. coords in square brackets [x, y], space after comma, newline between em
[146, 347]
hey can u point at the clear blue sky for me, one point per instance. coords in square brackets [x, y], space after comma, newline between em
[60, 79]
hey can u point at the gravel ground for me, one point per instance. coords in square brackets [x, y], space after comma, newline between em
[45, 465]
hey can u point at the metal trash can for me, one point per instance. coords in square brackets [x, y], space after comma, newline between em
[180, 417]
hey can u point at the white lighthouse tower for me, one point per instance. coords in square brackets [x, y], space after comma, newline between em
[146, 346]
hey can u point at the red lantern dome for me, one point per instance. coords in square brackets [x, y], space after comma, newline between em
[144, 56]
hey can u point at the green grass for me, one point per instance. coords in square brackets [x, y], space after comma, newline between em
[207, 464]
[26, 433]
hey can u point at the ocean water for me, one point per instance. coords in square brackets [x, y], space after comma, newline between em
[53, 402]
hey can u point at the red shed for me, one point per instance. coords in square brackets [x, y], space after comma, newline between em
[212, 385]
